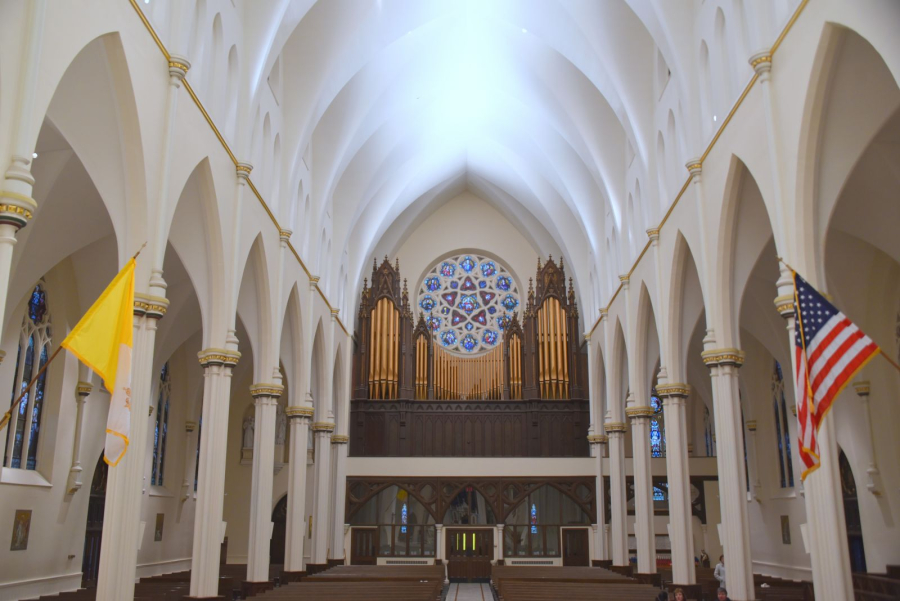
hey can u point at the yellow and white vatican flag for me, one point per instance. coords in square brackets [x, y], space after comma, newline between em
[102, 340]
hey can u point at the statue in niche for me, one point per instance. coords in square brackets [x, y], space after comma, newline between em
[249, 426]
[280, 426]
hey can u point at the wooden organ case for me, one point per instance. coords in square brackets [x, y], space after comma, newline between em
[527, 397]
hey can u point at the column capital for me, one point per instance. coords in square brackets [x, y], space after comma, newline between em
[624, 278]
[639, 411]
[784, 304]
[299, 412]
[324, 427]
[761, 63]
[190, 426]
[614, 427]
[675, 389]
[83, 389]
[334, 314]
[267, 390]
[751, 425]
[243, 171]
[862, 388]
[285, 235]
[653, 234]
[587, 336]
[313, 282]
[16, 209]
[604, 313]
[218, 356]
[178, 68]
[339, 439]
[598, 439]
[694, 167]
[723, 356]
[147, 305]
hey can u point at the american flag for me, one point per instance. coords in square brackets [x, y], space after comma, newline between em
[829, 349]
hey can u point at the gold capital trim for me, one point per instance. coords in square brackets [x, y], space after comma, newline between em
[785, 305]
[323, 427]
[15, 209]
[653, 233]
[862, 388]
[759, 60]
[751, 425]
[639, 411]
[218, 356]
[339, 439]
[598, 439]
[149, 305]
[190, 426]
[615, 426]
[84, 388]
[674, 389]
[266, 390]
[723, 356]
[295, 411]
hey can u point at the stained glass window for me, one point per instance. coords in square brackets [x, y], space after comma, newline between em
[785, 467]
[160, 432]
[708, 434]
[403, 519]
[468, 302]
[533, 519]
[24, 430]
[657, 428]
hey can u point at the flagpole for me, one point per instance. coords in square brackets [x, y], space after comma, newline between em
[5, 419]
[893, 363]
[14, 406]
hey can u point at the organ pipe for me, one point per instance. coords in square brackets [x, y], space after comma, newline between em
[384, 361]
[468, 378]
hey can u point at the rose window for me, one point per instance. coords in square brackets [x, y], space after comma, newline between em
[468, 301]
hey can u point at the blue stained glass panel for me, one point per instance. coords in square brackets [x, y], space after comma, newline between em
[468, 264]
[480, 318]
[469, 326]
[488, 269]
[509, 302]
[468, 285]
[482, 284]
[490, 337]
[37, 305]
[468, 303]
[448, 269]
[454, 285]
[504, 283]
[492, 310]
[428, 303]
[433, 322]
[448, 338]
[533, 519]
[433, 284]
[469, 343]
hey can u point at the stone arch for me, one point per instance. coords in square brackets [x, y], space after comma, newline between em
[686, 307]
[254, 308]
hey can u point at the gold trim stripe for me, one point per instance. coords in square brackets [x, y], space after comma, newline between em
[674, 389]
[615, 426]
[709, 148]
[339, 439]
[323, 427]
[641, 411]
[598, 439]
[723, 356]
[295, 411]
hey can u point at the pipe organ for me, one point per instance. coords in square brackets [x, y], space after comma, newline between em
[537, 358]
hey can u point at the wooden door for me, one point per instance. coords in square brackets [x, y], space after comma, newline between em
[279, 532]
[576, 547]
[469, 554]
[364, 546]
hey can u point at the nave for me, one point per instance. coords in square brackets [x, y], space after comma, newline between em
[456, 285]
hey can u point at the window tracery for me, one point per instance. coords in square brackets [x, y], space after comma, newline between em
[468, 301]
[657, 428]
[160, 431]
[24, 430]
[782, 433]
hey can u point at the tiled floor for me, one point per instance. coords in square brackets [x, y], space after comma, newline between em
[469, 592]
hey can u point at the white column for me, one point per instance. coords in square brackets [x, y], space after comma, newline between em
[208, 525]
[82, 390]
[190, 458]
[299, 417]
[753, 460]
[265, 400]
[679, 484]
[723, 365]
[873, 475]
[339, 442]
[498, 544]
[644, 531]
[618, 515]
[598, 442]
[826, 525]
[122, 513]
[322, 432]
[16, 204]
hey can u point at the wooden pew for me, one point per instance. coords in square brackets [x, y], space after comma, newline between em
[537, 590]
[310, 590]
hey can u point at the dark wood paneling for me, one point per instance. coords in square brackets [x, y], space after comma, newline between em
[469, 429]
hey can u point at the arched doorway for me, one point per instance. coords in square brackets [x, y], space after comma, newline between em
[93, 531]
[279, 532]
[851, 515]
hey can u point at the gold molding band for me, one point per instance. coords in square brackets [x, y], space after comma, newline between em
[598, 439]
[765, 58]
[323, 427]
[794, 410]
[674, 389]
[84, 388]
[266, 390]
[299, 411]
[751, 425]
[339, 439]
[723, 356]
[862, 388]
[218, 356]
[639, 411]
[190, 426]
[613, 427]
[179, 65]
[151, 306]
[15, 209]
[653, 232]
[785, 305]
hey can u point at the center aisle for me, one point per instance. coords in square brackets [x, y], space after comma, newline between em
[469, 592]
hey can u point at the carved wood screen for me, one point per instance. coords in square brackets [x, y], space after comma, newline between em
[502, 494]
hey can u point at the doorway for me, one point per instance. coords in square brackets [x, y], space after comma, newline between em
[469, 554]
[576, 547]
[279, 532]
[364, 546]
[852, 516]
[93, 531]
